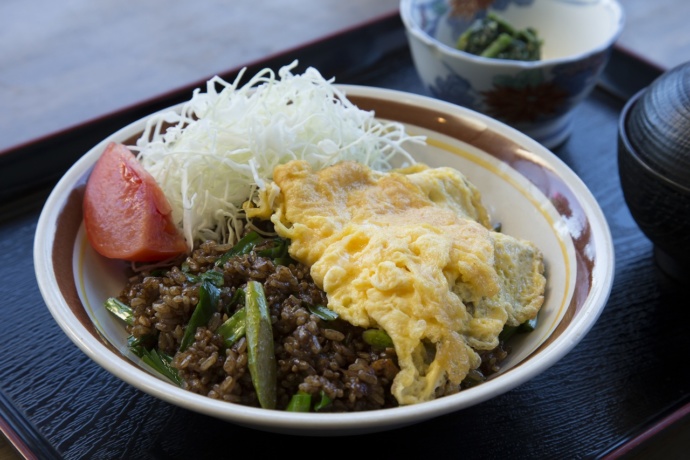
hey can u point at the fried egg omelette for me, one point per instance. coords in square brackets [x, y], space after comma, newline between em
[412, 252]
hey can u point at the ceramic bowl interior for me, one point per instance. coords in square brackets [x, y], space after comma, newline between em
[530, 191]
[536, 97]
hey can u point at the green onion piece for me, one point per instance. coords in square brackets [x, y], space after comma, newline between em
[209, 295]
[243, 246]
[192, 278]
[286, 261]
[322, 312]
[279, 249]
[135, 345]
[300, 402]
[259, 333]
[377, 338]
[139, 345]
[211, 275]
[143, 347]
[214, 277]
[237, 299]
[120, 309]
[278, 252]
[323, 402]
[161, 363]
[233, 328]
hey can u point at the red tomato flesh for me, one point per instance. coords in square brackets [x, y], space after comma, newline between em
[126, 214]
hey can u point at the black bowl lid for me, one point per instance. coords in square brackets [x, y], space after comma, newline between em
[659, 125]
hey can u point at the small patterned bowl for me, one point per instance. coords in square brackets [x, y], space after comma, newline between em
[536, 97]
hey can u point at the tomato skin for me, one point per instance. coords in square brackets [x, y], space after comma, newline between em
[126, 214]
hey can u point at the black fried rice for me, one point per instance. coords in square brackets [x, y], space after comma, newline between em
[328, 359]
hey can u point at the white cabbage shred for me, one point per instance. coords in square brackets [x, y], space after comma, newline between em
[221, 147]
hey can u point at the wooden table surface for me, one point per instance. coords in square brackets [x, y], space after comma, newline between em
[64, 62]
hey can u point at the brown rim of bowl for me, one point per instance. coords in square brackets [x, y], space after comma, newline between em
[632, 150]
[456, 126]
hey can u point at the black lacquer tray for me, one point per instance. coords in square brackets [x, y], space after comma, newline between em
[611, 391]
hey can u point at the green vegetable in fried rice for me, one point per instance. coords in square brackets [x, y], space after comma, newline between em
[234, 328]
[262, 358]
[209, 294]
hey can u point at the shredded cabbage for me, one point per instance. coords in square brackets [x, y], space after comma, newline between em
[220, 149]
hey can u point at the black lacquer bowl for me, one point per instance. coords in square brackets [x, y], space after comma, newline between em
[654, 166]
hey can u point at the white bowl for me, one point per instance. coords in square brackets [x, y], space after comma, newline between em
[536, 97]
[529, 190]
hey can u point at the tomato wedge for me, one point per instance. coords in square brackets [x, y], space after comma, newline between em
[126, 214]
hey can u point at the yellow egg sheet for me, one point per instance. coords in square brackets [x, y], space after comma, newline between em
[412, 252]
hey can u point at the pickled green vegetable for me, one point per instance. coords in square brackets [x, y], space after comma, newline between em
[493, 37]
[259, 334]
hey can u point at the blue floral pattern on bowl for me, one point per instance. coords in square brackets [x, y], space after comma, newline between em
[528, 96]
